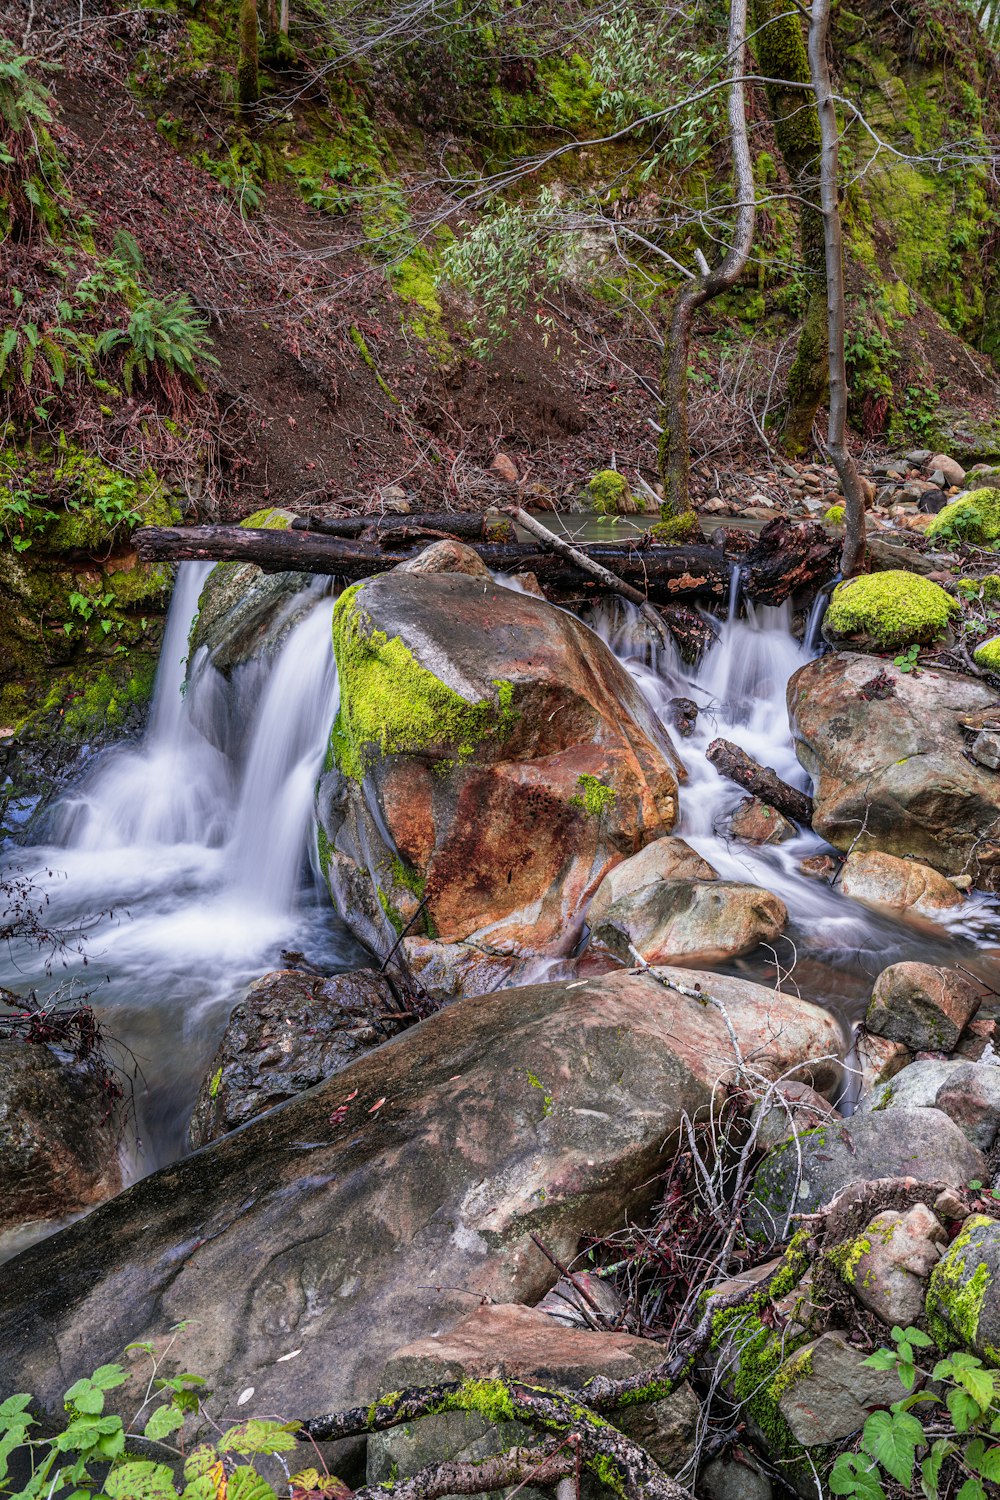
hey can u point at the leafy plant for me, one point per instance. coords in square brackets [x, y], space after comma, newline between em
[907, 662]
[919, 413]
[965, 1416]
[163, 332]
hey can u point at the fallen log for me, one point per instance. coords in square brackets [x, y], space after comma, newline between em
[790, 557]
[666, 573]
[431, 525]
[730, 761]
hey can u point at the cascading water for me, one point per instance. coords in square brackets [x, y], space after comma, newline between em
[186, 862]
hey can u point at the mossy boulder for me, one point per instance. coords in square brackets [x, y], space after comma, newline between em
[973, 518]
[888, 611]
[676, 531]
[963, 1295]
[609, 494]
[987, 655]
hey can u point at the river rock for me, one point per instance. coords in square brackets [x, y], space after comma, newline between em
[963, 1296]
[792, 1108]
[447, 557]
[901, 886]
[967, 1092]
[887, 1266]
[756, 823]
[361, 1215]
[447, 971]
[885, 750]
[950, 469]
[674, 921]
[829, 1390]
[521, 1343]
[925, 1007]
[290, 1032]
[663, 859]
[734, 1476]
[490, 758]
[59, 1137]
[879, 1058]
[919, 1143]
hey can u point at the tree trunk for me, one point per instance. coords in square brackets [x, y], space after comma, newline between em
[782, 55]
[732, 762]
[675, 452]
[853, 555]
[247, 69]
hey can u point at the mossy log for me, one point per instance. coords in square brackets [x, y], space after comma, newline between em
[426, 525]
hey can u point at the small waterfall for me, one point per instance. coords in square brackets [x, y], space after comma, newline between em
[810, 641]
[735, 589]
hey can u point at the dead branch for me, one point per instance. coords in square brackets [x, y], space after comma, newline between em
[763, 782]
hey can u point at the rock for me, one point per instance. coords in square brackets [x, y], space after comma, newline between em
[529, 584]
[918, 457]
[447, 971]
[963, 1305]
[797, 1107]
[663, 859]
[932, 501]
[446, 557]
[878, 1058]
[290, 1032]
[887, 1266]
[505, 468]
[59, 1137]
[888, 883]
[672, 921]
[888, 611]
[829, 1391]
[521, 1343]
[356, 1217]
[819, 866]
[734, 1476]
[756, 823]
[490, 756]
[985, 749]
[978, 1042]
[925, 1007]
[683, 715]
[950, 469]
[566, 1303]
[886, 753]
[919, 1143]
[973, 517]
[967, 1092]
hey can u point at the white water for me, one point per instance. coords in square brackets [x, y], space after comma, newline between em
[192, 849]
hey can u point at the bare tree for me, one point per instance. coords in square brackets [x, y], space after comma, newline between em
[853, 555]
[675, 447]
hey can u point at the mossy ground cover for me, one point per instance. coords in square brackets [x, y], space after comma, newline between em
[895, 609]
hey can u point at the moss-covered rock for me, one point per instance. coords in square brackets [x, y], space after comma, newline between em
[889, 610]
[834, 516]
[675, 531]
[988, 655]
[974, 518]
[963, 1295]
[609, 494]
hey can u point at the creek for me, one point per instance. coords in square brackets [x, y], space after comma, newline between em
[185, 863]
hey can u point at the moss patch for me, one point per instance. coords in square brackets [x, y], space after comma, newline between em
[834, 516]
[674, 531]
[896, 609]
[596, 798]
[972, 518]
[609, 494]
[988, 655]
[956, 1292]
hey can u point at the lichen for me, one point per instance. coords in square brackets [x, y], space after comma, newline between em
[896, 609]
[390, 704]
[974, 517]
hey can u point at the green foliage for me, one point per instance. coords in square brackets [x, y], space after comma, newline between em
[29, 163]
[918, 415]
[974, 518]
[164, 335]
[596, 798]
[896, 609]
[907, 662]
[609, 494]
[675, 531]
[834, 516]
[965, 1415]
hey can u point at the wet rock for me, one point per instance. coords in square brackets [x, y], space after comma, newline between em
[490, 757]
[342, 1227]
[919, 1143]
[879, 1058]
[886, 752]
[521, 1343]
[949, 469]
[967, 1092]
[59, 1138]
[290, 1032]
[901, 886]
[449, 970]
[963, 1305]
[663, 859]
[985, 749]
[447, 557]
[887, 1266]
[932, 501]
[756, 823]
[829, 1391]
[819, 866]
[925, 1007]
[673, 921]
[979, 1042]
[683, 715]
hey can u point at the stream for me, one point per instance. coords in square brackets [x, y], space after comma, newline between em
[185, 862]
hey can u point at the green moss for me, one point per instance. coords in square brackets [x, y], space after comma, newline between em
[972, 518]
[674, 531]
[358, 341]
[834, 516]
[988, 655]
[410, 880]
[954, 1297]
[548, 1102]
[271, 518]
[490, 1398]
[392, 912]
[390, 704]
[609, 494]
[596, 798]
[896, 609]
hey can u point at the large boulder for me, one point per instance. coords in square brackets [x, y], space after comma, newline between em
[490, 758]
[967, 1092]
[904, 887]
[59, 1137]
[360, 1216]
[663, 859]
[921, 1005]
[290, 1032]
[690, 921]
[885, 751]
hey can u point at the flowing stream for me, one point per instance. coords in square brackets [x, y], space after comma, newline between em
[185, 860]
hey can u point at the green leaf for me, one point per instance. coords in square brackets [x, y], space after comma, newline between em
[165, 1419]
[979, 1383]
[255, 1436]
[882, 1359]
[140, 1480]
[84, 1396]
[987, 1464]
[892, 1438]
[246, 1484]
[919, 1339]
[853, 1474]
[201, 1488]
[972, 1489]
[964, 1409]
[199, 1461]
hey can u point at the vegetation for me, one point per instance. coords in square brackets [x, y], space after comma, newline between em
[894, 608]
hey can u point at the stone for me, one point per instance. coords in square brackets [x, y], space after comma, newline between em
[490, 758]
[796, 1108]
[290, 1032]
[885, 750]
[921, 1005]
[819, 866]
[963, 1295]
[967, 1092]
[447, 971]
[879, 1058]
[933, 501]
[357, 1217]
[917, 457]
[902, 886]
[245, 614]
[521, 1343]
[581, 1302]
[985, 749]
[734, 1476]
[919, 1143]
[949, 469]
[505, 468]
[446, 557]
[683, 715]
[829, 1391]
[673, 921]
[756, 823]
[979, 1042]
[888, 1265]
[664, 859]
[59, 1137]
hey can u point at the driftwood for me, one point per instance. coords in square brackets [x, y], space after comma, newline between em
[729, 760]
[666, 573]
[426, 525]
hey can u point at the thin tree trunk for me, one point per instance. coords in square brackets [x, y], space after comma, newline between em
[853, 555]
[781, 52]
[675, 451]
[283, 23]
[248, 67]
